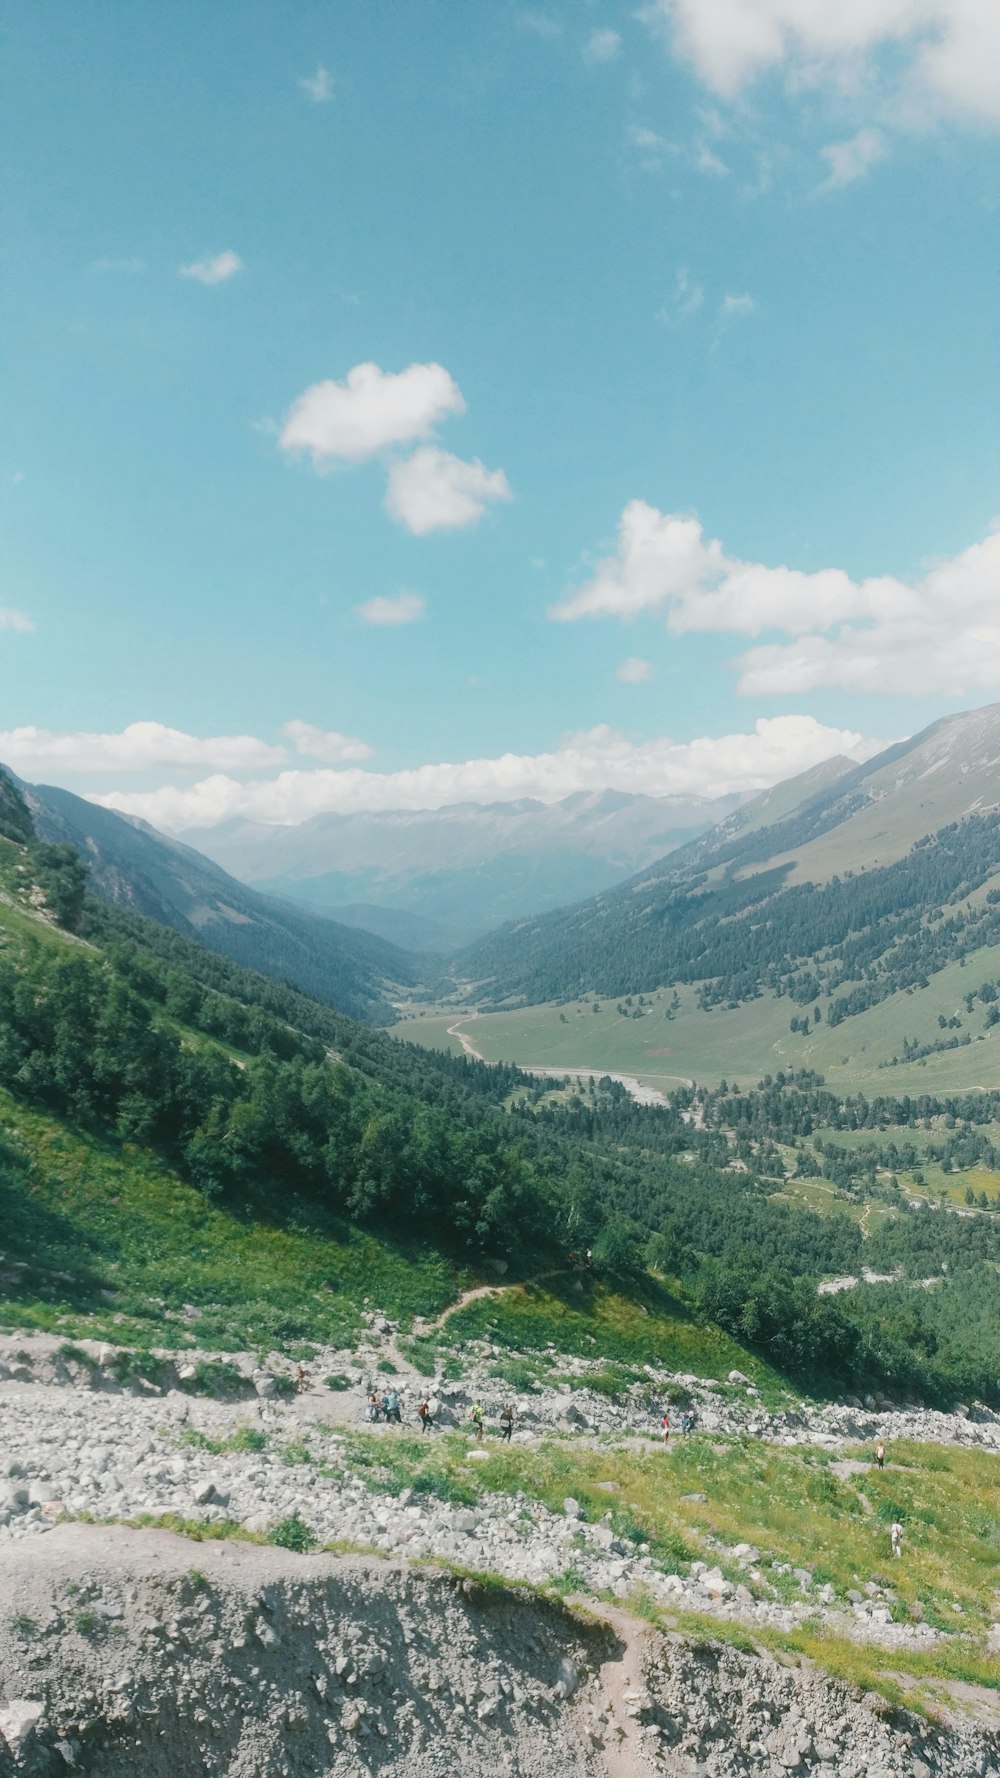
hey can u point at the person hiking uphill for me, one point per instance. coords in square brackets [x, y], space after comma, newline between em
[880, 1454]
[390, 1407]
[424, 1415]
[507, 1422]
[665, 1430]
[477, 1420]
[896, 1537]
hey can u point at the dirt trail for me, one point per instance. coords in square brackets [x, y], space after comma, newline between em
[466, 1042]
[622, 1689]
[481, 1290]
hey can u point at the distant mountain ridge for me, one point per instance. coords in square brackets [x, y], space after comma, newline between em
[133, 866]
[787, 859]
[441, 875]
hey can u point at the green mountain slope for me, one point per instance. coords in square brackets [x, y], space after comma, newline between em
[177, 1131]
[801, 907]
[133, 866]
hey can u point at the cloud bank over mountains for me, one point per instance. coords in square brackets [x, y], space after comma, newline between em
[596, 759]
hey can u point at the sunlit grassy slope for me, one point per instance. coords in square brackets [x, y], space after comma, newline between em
[107, 1240]
[792, 1505]
[742, 1043]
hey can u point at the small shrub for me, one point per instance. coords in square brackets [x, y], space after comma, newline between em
[212, 1376]
[337, 1381]
[76, 1355]
[386, 1364]
[292, 1533]
[297, 1452]
[247, 1438]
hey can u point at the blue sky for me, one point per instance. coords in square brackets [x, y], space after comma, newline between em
[701, 294]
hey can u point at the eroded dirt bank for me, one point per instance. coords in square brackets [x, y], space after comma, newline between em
[127, 1653]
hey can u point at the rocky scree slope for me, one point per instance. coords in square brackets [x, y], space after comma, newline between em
[75, 1443]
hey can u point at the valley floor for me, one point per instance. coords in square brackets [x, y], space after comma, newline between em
[663, 1043]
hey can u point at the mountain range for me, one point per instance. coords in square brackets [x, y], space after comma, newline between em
[133, 866]
[432, 879]
[849, 877]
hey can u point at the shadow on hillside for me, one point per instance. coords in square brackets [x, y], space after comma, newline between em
[44, 1255]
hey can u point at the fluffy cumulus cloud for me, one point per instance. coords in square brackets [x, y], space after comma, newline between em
[214, 270]
[137, 748]
[374, 412]
[595, 759]
[146, 746]
[390, 610]
[10, 617]
[937, 633]
[434, 491]
[370, 410]
[936, 58]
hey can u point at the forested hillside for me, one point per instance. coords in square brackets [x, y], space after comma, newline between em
[277, 1111]
[737, 915]
[132, 866]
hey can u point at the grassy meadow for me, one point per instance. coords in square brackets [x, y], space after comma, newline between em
[740, 1043]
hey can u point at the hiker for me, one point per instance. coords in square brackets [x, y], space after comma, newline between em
[665, 1430]
[301, 1379]
[507, 1422]
[880, 1454]
[424, 1415]
[687, 1421]
[373, 1407]
[896, 1537]
[477, 1420]
[390, 1407]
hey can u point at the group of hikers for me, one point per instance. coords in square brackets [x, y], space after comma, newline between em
[686, 1423]
[386, 1408]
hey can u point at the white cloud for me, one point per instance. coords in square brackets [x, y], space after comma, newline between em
[137, 748]
[10, 618]
[601, 46]
[652, 148]
[733, 306]
[635, 671]
[853, 159]
[327, 745]
[370, 410]
[213, 271]
[434, 491]
[939, 633]
[391, 610]
[707, 161]
[687, 298]
[319, 86]
[935, 58]
[598, 758]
